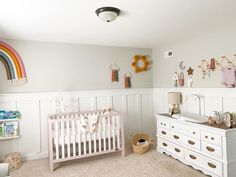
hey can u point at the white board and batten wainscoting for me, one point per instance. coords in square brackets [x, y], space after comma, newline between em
[137, 105]
[211, 150]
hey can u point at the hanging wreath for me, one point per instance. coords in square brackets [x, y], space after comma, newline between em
[140, 63]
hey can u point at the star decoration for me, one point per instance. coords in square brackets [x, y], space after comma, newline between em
[190, 71]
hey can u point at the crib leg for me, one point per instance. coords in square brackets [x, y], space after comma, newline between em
[51, 166]
[123, 152]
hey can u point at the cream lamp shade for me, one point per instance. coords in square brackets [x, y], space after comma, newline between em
[173, 97]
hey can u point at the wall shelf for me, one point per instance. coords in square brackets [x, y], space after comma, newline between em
[8, 120]
[8, 138]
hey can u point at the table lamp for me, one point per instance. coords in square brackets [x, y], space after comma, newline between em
[174, 100]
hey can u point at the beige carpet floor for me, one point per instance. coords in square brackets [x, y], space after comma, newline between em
[151, 164]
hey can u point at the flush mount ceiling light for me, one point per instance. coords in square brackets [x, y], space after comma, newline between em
[107, 14]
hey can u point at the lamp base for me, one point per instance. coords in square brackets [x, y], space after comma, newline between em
[174, 110]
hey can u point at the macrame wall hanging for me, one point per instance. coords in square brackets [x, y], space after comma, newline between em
[13, 63]
[114, 72]
[127, 80]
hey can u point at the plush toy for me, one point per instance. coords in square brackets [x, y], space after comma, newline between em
[14, 160]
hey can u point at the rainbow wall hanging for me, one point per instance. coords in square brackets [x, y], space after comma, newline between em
[13, 63]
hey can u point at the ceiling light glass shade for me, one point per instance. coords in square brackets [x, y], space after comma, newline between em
[108, 14]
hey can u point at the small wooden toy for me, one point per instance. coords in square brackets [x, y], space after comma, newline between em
[176, 78]
[181, 79]
[190, 81]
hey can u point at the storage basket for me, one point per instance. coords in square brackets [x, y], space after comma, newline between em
[140, 149]
[14, 160]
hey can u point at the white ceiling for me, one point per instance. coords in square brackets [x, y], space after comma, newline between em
[143, 23]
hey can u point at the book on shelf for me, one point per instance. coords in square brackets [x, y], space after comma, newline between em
[9, 129]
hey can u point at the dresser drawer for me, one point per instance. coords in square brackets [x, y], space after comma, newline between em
[176, 137]
[208, 164]
[211, 138]
[192, 143]
[185, 140]
[163, 124]
[171, 147]
[212, 150]
[186, 130]
[162, 132]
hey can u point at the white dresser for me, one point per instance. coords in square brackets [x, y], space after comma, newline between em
[209, 149]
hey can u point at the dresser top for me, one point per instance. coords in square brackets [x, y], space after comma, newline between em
[221, 126]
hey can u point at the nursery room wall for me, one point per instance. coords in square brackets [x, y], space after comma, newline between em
[80, 75]
[210, 44]
[71, 67]
[214, 95]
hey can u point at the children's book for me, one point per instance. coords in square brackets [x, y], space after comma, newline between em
[11, 129]
[1, 130]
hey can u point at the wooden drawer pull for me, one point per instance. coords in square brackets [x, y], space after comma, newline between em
[176, 137]
[212, 138]
[163, 132]
[191, 142]
[193, 157]
[211, 165]
[210, 149]
[177, 150]
[164, 144]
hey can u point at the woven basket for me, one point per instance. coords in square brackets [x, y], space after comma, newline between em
[14, 160]
[143, 148]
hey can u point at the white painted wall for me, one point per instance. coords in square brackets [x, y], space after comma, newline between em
[67, 67]
[136, 104]
[212, 99]
[211, 44]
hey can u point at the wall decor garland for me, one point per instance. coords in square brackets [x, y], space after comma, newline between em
[227, 66]
[140, 63]
[13, 63]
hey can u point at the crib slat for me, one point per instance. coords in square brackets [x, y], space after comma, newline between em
[104, 134]
[56, 140]
[94, 143]
[113, 133]
[62, 140]
[74, 136]
[118, 131]
[79, 140]
[85, 143]
[90, 146]
[109, 132]
[99, 135]
[68, 138]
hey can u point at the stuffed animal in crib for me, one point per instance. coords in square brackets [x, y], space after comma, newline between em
[106, 110]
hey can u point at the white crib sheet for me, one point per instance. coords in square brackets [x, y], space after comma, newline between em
[84, 136]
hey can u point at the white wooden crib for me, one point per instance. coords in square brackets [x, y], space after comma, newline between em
[69, 140]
